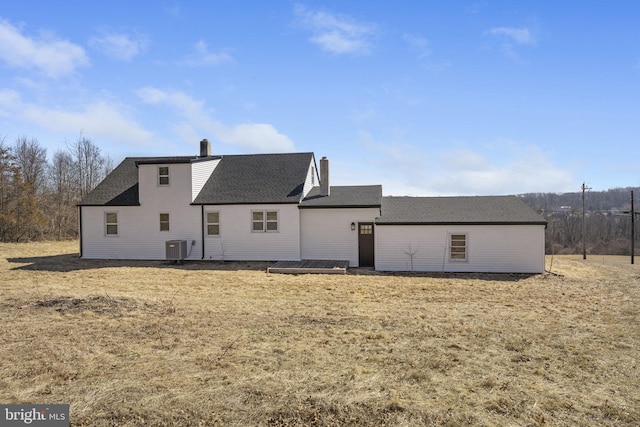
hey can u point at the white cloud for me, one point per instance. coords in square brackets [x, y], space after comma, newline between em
[52, 56]
[201, 56]
[198, 122]
[100, 119]
[512, 37]
[119, 46]
[507, 168]
[8, 99]
[524, 170]
[516, 35]
[337, 34]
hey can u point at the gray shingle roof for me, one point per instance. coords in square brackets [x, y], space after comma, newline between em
[457, 210]
[256, 178]
[238, 179]
[120, 187]
[345, 197]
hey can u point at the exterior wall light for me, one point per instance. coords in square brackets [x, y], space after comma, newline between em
[353, 226]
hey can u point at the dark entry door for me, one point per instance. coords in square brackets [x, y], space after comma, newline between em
[365, 244]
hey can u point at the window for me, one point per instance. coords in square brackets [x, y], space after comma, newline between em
[366, 229]
[163, 175]
[164, 222]
[458, 248]
[313, 176]
[213, 223]
[111, 223]
[264, 221]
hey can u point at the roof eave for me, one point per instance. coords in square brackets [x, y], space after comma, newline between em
[107, 204]
[462, 223]
[163, 161]
[241, 203]
[340, 207]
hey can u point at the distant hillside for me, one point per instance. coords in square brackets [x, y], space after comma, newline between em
[608, 228]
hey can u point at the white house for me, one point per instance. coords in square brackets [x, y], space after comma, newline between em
[275, 207]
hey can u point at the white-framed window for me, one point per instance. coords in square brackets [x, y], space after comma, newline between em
[164, 222]
[111, 223]
[458, 247]
[163, 175]
[264, 221]
[313, 176]
[213, 223]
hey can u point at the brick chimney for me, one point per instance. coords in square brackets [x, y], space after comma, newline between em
[205, 148]
[324, 176]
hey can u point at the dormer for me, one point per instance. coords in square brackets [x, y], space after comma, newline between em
[164, 180]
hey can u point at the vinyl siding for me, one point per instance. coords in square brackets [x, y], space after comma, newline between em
[490, 248]
[237, 241]
[201, 171]
[139, 235]
[327, 234]
[311, 179]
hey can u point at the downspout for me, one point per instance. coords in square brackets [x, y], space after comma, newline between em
[202, 227]
[80, 230]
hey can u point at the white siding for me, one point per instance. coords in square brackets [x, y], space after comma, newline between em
[496, 248]
[311, 180]
[327, 234]
[201, 171]
[237, 241]
[139, 235]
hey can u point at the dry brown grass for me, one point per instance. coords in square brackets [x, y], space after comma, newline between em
[131, 343]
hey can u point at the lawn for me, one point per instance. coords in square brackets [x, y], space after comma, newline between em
[132, 343]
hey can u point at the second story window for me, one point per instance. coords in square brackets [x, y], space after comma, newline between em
[163, 175]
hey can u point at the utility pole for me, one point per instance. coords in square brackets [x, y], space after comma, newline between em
[584, 224]
[633, 214]
[633, 229]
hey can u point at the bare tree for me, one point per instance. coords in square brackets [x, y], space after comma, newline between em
[29, 179]
[63, 195]
[7, 173]
[89, 162]
[31, 159]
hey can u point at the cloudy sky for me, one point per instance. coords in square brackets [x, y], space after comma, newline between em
[423, 97]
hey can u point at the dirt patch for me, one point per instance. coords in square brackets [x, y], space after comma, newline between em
[99, 304]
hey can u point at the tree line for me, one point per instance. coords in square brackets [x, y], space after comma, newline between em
[607, 220]
[38, 196]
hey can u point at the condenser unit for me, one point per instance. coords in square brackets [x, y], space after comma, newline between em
[176, 250]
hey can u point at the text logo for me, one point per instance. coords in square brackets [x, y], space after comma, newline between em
[34, 415]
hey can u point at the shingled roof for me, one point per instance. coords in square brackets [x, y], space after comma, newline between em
[256, 178]
[356, 196]
[238, 179]
[120, 187]
[478, 210]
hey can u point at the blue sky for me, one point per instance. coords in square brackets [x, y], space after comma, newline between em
[423, 97]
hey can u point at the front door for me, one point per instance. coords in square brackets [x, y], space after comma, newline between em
[365, 244]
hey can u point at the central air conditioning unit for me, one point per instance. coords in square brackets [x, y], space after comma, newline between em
[176, 250]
